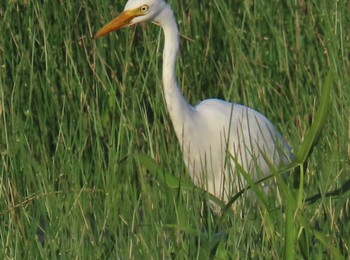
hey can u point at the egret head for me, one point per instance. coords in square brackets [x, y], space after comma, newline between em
[135, 11]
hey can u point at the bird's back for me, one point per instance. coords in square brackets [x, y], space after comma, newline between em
[227, 134]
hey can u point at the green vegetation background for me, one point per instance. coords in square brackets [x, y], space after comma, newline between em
[75, 114]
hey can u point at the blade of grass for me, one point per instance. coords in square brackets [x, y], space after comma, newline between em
[319, 120]
[172, 182]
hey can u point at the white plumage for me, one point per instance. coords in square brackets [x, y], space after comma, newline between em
[214, 131]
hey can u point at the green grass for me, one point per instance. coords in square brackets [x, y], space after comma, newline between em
[89, 162]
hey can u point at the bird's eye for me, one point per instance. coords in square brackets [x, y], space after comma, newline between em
[144, 8]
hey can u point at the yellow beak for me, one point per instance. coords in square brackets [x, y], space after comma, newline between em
[121, 21]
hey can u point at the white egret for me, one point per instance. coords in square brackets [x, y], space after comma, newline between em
[214, 131]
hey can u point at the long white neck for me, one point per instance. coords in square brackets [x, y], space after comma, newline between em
[178, 107]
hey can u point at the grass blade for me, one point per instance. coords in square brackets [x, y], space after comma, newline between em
[319, 120]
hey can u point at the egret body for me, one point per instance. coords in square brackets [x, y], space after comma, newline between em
[214, 135]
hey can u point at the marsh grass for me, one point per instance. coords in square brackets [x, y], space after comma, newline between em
[89, 164]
